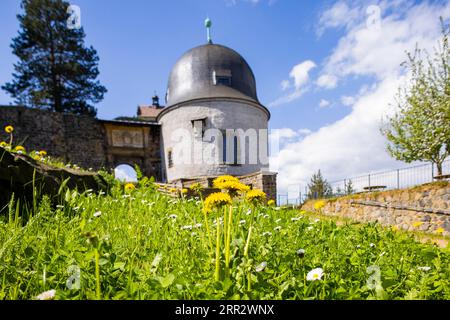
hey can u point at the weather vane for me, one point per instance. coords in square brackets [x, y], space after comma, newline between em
[208, 24]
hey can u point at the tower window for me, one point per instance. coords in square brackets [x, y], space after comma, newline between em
[222, 77]
[169, 159]
[233, 158]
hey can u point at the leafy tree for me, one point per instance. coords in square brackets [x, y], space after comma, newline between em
[319, 187]
[420, 130]
[55, 70]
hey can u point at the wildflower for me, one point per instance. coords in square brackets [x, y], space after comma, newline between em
[358, 246]
[97, 214]
[295, 219]
[271, 202]
[417, 224]
[255, 196]
[19, 149]
[129, 187]
[301, 253]
[198, 225]
[440, 230]
[173, 216]
[173, 190]
[197, 187]
[265, 216]
[9, 129]
[309, 228]
[278, 228]
[261, 267]
[184, 191]
[424, 268]
[217, 199]
[315, 274]
[3, 144]
[42, 153]
[242, 222]
[267, 234]
[319, 204]
[249, 212]
[189, 227]
[193, 234]
[394, 228]
[47, 295]
[36, 157]
[372, 245]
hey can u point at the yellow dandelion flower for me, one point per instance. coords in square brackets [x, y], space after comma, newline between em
[319, 204]
[3, 144]
[173, 190]
[130, 187]
[417, 224]
[271, 202]
[255, 195]
[9, 129]
[42, 153]
[440, 230]
[197, 187]
[19, 149]
[36, 157]
[225, 178]
[394, 228]
[184, 191]
[231, 185]
[216, 200]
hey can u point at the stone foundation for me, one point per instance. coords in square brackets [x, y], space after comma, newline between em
[425, 208]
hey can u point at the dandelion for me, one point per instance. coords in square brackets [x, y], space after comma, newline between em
[440, 230]
[271, 203]
[424, 268]
[301, 253]
[184, 191]
[19, 149]
[315, 274]
[215, 200]
[255, 196]
[261, 266]
[9, 129]
[3, 144]
[394, 228]
[278, 228]
[129, 187]
[173, 190]
[417, 224]
[97, 214]
[47, 295]
[319, 204]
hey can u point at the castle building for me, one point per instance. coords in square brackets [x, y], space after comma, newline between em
[212, 124]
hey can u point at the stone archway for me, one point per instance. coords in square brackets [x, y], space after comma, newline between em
[125, 172]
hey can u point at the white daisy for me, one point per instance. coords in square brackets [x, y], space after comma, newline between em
[198, 225]
[424, 268]
[372, 245]
[47, 295]
[188, 227]
[97, 214]
[315, 274]
[295, 219]
[261, 266]
[249, 212]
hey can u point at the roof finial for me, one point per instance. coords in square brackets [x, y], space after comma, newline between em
[208, 24]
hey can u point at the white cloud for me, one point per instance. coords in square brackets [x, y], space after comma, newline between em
[327, 81]
[324, 103]
[285, 84]
[348, 100]
[339, 15]
[300, 74]
[353, 145]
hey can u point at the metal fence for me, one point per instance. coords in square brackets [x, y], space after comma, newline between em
[387, 180]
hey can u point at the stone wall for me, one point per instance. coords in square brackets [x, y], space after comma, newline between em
[85, 141]
[424, 208]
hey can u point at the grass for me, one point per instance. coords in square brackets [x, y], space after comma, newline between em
[142, 244]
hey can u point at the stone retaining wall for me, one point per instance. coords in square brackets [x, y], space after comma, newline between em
[424, 208]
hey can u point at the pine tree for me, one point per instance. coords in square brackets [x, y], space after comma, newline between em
[348, 187]
[55, 70]
[319, 187]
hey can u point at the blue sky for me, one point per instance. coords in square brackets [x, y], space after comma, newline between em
[327, 70]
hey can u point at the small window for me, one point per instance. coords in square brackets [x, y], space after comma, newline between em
[234, 148]
[169, 159]
[199, 126]
[222, 77]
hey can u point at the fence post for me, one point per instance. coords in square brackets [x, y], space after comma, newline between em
[369, 180]
[398, 179]
[432, 173]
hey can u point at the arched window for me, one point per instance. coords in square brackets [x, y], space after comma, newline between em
[125, 172]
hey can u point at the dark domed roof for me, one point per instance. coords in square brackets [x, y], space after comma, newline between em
[196, 75]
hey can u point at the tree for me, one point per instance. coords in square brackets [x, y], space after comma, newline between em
[319, 187]
[55, 70]
[348, 187]
[420, 130]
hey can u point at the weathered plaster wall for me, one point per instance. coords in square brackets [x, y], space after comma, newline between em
[424, 208]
